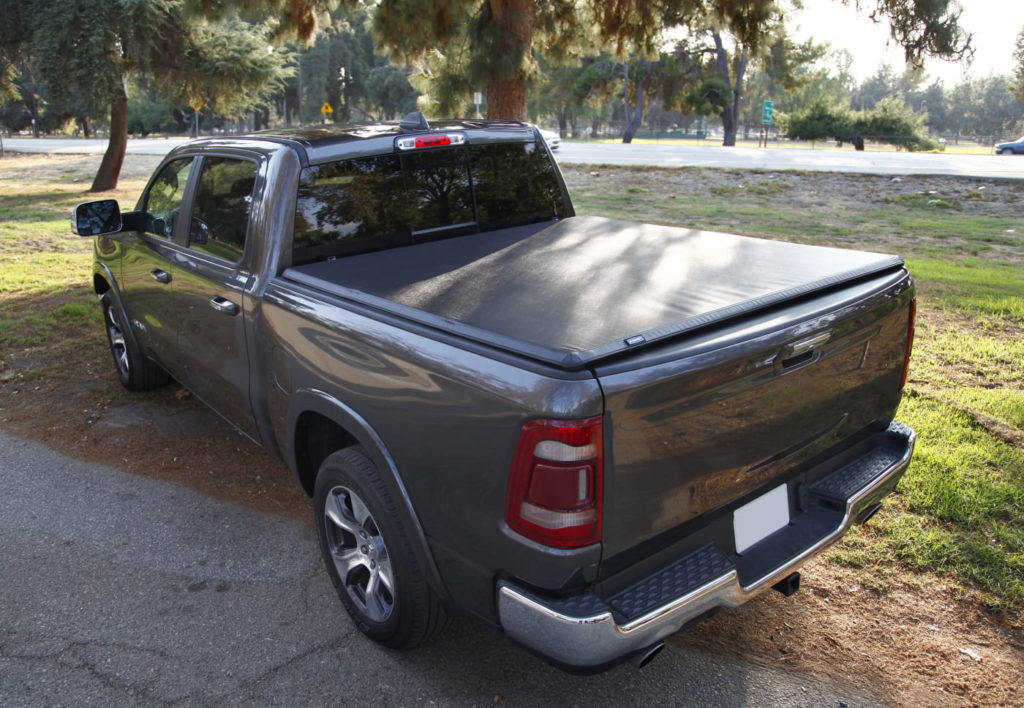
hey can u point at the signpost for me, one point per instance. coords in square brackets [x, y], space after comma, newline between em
[196, 103]
[766, 121]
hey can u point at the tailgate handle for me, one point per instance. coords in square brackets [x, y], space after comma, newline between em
[803, 351]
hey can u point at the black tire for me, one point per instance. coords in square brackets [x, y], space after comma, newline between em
[1006, 151]
[366, 549]
[135, 371]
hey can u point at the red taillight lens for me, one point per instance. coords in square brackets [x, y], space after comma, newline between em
[554, 491]
[433, 141]
[910, 342]
[430, 141]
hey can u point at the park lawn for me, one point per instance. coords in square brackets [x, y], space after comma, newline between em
[958, 514]
[959, 511]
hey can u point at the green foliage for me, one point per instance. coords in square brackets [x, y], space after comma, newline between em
[93, 44]
[816, 123]
[1017, 88]
[894, 123]
[891, 122]
[388, 89]
[228, 67]
[8, 74]
[148, 112]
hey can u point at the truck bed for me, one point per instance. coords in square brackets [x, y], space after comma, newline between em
[572, 292]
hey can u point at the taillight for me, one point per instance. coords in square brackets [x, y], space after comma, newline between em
[554, 491]
[429, 141]
[910, 342]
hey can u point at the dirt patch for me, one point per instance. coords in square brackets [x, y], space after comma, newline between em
[912, 640]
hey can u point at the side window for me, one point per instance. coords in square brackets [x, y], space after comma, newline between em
[163, 201]
[220, 216]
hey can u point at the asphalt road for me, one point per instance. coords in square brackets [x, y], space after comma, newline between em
[864, 162]
[884, 163]
[117, 589]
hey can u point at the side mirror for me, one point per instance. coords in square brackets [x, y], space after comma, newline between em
[96, 218]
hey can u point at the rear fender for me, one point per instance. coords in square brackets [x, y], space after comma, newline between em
[319, 402]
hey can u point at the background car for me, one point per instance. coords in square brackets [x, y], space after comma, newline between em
[1014, 148]
[552, 138]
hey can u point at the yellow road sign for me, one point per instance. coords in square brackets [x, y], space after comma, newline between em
[326, 108]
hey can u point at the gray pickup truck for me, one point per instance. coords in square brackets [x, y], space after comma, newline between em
[586, 432]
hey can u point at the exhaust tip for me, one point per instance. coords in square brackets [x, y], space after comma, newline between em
[647, 655]
[788, 585]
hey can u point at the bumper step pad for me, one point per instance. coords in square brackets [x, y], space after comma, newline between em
[848, 479]
[681, 578]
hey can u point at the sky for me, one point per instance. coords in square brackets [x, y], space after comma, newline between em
[994, 24]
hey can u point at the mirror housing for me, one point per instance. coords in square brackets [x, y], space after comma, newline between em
[96, 218]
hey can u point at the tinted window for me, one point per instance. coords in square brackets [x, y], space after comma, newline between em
[372, 203]
[220, 215]
[163, 201]
[515, 184]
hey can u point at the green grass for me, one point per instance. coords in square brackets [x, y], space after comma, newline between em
[958, 513]
[989, 291]
[961, 505]
[45, 283]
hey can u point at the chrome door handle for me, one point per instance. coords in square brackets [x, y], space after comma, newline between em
[225, 307]
[160, 276]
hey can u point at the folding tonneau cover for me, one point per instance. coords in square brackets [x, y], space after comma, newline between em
[572, 292]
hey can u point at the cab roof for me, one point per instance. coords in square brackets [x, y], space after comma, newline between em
[326, 143]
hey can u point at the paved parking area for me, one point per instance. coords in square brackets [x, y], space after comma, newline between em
[121, 590]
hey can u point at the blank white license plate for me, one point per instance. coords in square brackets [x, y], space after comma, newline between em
[760, 518]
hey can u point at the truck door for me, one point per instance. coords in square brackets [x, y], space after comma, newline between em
[209, 289]
[147, 267]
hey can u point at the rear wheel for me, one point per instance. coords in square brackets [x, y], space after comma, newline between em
[367, 553]
[135, 371]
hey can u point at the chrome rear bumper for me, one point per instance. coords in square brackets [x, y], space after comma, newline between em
[586, 632]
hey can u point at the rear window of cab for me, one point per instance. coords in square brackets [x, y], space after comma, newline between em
[399, 199]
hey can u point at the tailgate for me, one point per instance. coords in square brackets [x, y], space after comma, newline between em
[699, 426]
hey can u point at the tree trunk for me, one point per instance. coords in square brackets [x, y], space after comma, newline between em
[730, 114]
[33, 103]
[506, 95]
[634, 116]
[634, 121]
[110, 167]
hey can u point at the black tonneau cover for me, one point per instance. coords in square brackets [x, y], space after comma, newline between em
[571, 292]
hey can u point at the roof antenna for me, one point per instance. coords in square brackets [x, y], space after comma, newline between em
[414, 121]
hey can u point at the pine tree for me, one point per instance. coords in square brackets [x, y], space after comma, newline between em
[90, 48]
[495, 43]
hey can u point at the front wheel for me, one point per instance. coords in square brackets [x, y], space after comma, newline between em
[135, 371]
[1006, 151]
[367, 553]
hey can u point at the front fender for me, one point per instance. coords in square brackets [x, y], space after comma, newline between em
[101, 271]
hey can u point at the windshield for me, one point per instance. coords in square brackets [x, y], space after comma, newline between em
[373, 203]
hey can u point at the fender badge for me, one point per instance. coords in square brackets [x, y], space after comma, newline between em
[637, 339]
